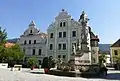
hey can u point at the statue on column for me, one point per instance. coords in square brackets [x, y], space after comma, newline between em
[74, 50]
[84, 21]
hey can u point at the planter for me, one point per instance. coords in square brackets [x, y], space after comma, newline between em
[46, 70]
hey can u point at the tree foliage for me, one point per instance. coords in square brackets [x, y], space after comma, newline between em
[102, 58]
[32, 62]
[12, 54]
[3, 36]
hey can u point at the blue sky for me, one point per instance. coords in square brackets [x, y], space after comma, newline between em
[104, 15]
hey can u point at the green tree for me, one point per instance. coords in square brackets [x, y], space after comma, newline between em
[102, 58]
[16, 54]
[3, 36]
[32, 62]
[4, 54]
[9, 54]
[13, 54]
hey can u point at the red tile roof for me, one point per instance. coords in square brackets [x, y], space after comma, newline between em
[8, 45]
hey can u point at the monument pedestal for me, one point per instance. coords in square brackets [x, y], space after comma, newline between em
[79, 60]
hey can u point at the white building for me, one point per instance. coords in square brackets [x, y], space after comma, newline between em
[33, 42]
[63, 33]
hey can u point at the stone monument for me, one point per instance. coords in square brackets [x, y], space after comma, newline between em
[82, 53]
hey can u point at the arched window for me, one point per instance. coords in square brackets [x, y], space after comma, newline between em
[30, 31]
[29, 41]
[61, 24]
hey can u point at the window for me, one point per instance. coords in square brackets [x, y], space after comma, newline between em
[64, 34]
[30, 31]
[64, 46]
[64, 24]
[39, 52]
[60, 34]
[25, 42]
[115, 52]
[59, 46]
[73, 33]
[33, 52]
[51, 46]
[61, 24]
[64, 56]
[29, 41]
[51, 35]
[34, 41]
[59, 56]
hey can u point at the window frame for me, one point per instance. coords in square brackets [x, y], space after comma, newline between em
[51, 47]
[34, 41]
[64, 47]
[25, 42]
[60, 24]
[31, 31]
[60, 34]
[33, 51]
[40, 51]
[30, 42]
[59, 46]
[64, 56]
[74, 34]
[115, 52]
[51, 35]
[64, 34]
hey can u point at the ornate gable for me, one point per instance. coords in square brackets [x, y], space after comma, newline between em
[32, 30]
[62, 15]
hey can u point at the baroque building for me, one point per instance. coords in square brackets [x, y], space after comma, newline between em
[65, 32]
[33, 42]
[62, 36]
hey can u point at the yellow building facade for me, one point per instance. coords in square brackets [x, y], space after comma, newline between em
[115, 51]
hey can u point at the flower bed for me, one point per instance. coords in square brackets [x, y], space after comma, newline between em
[73, 73]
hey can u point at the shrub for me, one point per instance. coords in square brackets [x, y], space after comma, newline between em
[84, 69]
[48, 62]
[66, 68]
[32, 62]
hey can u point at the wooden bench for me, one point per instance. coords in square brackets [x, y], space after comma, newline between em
[17, 67]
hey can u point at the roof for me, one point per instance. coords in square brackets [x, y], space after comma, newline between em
[104, 48]
[93, 37]
[116, 44]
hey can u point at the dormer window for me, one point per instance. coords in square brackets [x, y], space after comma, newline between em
[51, 35]
[30, 31]
[61, 24]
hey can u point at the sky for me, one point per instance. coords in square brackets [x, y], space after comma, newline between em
[104, 15]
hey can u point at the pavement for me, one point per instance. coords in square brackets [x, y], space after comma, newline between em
[38, 75]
